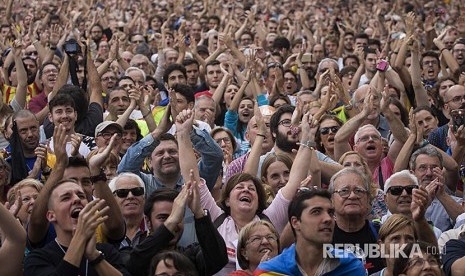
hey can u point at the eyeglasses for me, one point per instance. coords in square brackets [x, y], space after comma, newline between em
[226, 140]
[457, 99]
[107, 135]
[345, 192]
[274, 65]
[398, 190]
[285, 123]
[424, 168]
[430, 62]
[257, 240]
[420, 262]
[368, 137]
[108, 79]
[51, 71]
[326, 130]
[123, 193]
[33, 53]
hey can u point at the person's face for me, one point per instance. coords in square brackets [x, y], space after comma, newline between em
[165, 159]
[182, 103]
[82, 176]
[359, 98]
[279, 102]
[49, 76]
[353, 161]
[272, 27]
[286, 139]
[118, 102]
[424, 168]
[110, 170]
[430, 68]
[246, 40]
[290, 83]
[316, 224]
[459, 51]
[426, 121]
[130, 205]
[28, 130]
[166, 267]
[155, 24]
[399, 204]
[212, 23]
[399, 238]
[243, 198]
[108, 80]
[252, 130]
[171, 57]
[28, 197]
[214, 75]
[96, 33]
[422, 263]
[331, 48]
[103, 48]
[245, 111]
[318, 52]
[370, 63]
[140, 63]
[224, 141]
[103, 139]
[67, 200]
[355, 205]
[129, 137]
[205, 111]
[369, 145]
[277, 176]
[260, 241]
[361, 42]
[349, 42]
[444, 86]
[231, 90]
[161, 210]
[65, 115]
[176, 77]
[196, 31]
[347, 79]
[328, 129]
[31, 68]
[137, 77]
[454, 98]
[449, 41]
[192, 72]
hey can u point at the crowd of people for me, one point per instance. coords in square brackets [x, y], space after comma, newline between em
[283, 137]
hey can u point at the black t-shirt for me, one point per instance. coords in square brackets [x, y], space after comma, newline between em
[363, 237]
[453, 250]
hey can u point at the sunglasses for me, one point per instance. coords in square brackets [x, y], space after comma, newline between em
[326, 130]
[123, 193]
[398, 190]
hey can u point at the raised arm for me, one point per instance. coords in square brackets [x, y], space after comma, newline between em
[13, 243]
[21, 75]
[253, 161]
[421, 97]
[95, 85]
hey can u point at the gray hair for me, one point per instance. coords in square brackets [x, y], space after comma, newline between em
[365, 178]
[328, 60]
[402, 174]
[357, 134]
[130, 69]
[115, 180]
[427, 150]
[204, 97]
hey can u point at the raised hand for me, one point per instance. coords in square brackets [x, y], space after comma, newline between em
[76, 140]
[14, 209]
[59, 145]
[96, 161]
[93, 214]
[184, 121]
[420, 202]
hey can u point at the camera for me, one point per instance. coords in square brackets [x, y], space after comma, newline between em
[458, 118]
[382, 66]
[72, 47]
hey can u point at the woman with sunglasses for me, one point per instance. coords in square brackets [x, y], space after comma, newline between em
[329, 125]
[258, 242]
[418, 258]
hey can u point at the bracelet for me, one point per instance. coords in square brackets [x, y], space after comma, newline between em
[308, 144]
[443, 49]
[261, 135]
[97, 260]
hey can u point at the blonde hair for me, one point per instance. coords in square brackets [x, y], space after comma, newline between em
[28, 182]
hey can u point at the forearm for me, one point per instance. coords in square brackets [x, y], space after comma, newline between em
[219, 92]
[306, 84]
[105, 268]
[238, 97]
[421, 97]
[396, 126]
[452, 208]
[356, 78]
[21, 76]
[136, 154]
[103, 68]
[95, 85]
[403, 157]
[148, 117]
[424, 232]
[253, 161]
[74, 256]
[188, 161]
[298, 171]
[62, 78]
[114, 227]
[451, 62]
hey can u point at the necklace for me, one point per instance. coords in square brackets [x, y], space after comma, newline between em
[59, 245]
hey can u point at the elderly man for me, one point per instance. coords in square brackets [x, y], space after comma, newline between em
[311, 216]
[404, 196]
[350, 190]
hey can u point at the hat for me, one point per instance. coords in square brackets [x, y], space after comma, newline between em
[202, 49]
[102, 126]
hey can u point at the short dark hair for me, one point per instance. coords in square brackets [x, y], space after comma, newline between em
[180, 262]
[173, 67]
[212, 63]
[162, 194]
[167, 137]
[297, 205]
[41, 71]
[367, 51]
[77, 162]
[190, 61]
[432, 54]
[362, 36]
[373, 41]
[185, 90]
[79, 97]
[275, 118]
[131, 124]
[281, 42]
[124, 78]
[61, 100]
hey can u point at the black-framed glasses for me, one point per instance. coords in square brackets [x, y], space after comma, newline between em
[107, 135]
[420, 262]
[285, 122]
[226, 140]
[326, 130]
[368, 137]
[123, 193]
[257, 240]
[345, 192]
[274, 65]
[398, 190]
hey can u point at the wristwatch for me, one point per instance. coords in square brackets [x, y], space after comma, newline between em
[100, 177]
[97, 260]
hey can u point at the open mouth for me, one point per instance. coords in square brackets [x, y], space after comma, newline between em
[75, 212]
[371, 147]
[245, 199]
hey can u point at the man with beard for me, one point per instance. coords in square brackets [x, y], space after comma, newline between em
[286, 139]
[367, 137]
[459, 51]
[454, 98]
[309, 67]
[401, 190]
[426, 164]
[164, 211]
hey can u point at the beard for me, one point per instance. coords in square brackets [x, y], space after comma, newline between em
[284, 144]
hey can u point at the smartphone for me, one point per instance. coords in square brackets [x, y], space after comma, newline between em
[187, 40]
[458, 118]
[382, 66]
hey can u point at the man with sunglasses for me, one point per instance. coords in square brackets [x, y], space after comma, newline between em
[128, 189]
[404, 196]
